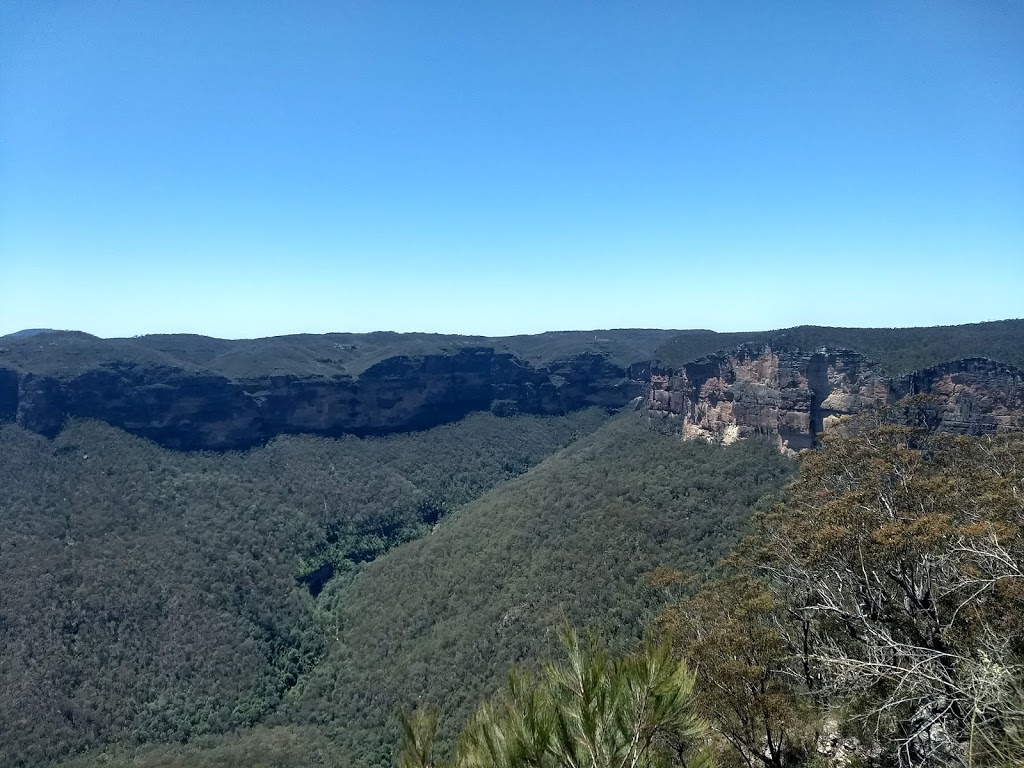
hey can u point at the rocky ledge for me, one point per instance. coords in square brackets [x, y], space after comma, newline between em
[187, 409]
[794, 395]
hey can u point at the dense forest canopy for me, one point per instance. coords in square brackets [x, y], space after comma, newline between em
[444, 618]
[156, 595]
[175, 610]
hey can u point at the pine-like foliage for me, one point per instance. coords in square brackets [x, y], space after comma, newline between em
[587, 711]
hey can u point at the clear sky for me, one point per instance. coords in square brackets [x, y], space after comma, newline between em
[258, 168]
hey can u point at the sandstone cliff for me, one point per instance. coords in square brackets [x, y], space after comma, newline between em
[200, 393]
[794, 395]
[196, 409]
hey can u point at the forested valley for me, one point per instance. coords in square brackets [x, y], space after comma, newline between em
[511, 384]
[152, 595]
[162, 613]
[858, 607]
[355, 601]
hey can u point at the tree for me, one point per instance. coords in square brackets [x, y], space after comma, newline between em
[589, 711]
[748, 685]
[901, 558]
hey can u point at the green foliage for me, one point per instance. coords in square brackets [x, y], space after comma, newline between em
[419, 730]
[151, 595]
[728, 631]
[589, 710]
[259, 747]
[157, 598]
[444, 618]
[888, 591]
[901, 554]
[896, 350]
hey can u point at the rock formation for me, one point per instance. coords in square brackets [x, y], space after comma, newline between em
[969, 397]
[168, 390]
[794, 395]
[190, 409]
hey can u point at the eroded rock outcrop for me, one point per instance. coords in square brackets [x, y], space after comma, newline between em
[794, 395]
[971, 396]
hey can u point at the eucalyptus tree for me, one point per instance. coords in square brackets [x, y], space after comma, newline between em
[900, 556]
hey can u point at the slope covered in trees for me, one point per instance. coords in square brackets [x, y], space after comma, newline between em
[873, 613]
[150, 595]
[284, 605]
[444, 618]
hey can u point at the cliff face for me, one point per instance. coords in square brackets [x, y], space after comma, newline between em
[794, 395]
[972, 396]
[194, 410]
[752, 389]
[8, 395]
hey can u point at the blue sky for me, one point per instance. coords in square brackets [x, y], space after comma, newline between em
[249, 169]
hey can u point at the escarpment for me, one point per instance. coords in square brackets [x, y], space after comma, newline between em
[795, 395]
[198, 393]
[190, 409]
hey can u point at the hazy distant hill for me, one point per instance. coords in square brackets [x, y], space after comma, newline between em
[28, 332]
[896, 350]
[68, 353]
